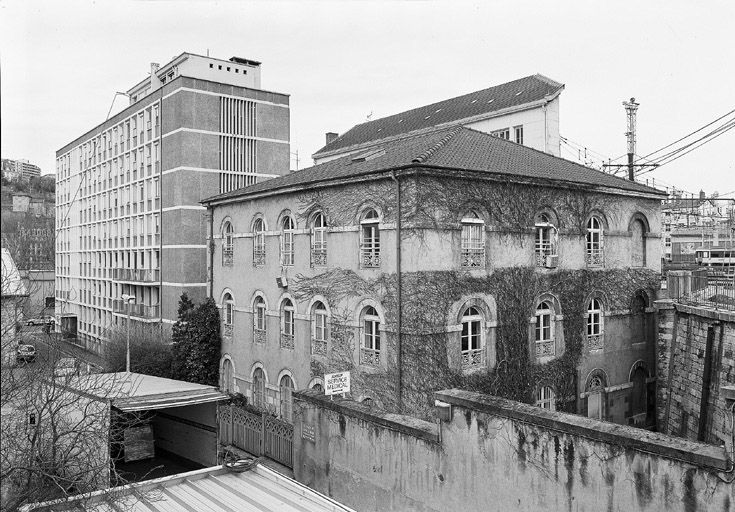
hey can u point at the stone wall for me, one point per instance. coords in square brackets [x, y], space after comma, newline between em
[489, 454]
[695, 359]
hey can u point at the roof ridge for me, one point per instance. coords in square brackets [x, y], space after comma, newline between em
[423, 157]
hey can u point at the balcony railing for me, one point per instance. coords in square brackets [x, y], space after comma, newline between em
[137, 275]
[546, 254]
[227, 255]
[259, 335]
[319, 256]
[545, 348]
[472, 359]
[595, 341]
[259, 257]
[287, 341]
[594, 257]
[318, 347]
[370, 258]
[473, 257]
[136, 310]
[369, 357]
[227, 330]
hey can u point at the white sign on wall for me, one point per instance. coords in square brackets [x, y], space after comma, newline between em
[336, 383]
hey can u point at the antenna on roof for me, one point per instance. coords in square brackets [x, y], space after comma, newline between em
[369, 116]
[207, 52]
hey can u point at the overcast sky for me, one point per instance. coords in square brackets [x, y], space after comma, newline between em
[61, 62]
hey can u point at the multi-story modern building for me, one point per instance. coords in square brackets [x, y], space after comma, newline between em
[450, 258]
[525, 111]
[19, 169]
[128, 216]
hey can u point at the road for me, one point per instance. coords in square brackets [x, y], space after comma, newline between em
[52, 345]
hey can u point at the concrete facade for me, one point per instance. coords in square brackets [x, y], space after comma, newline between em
[431, 256]
[486, 453]
[128, 191]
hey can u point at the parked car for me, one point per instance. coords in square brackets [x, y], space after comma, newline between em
[44, 320]
[25, 353]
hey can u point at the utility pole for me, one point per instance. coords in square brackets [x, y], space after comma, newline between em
[631, 107]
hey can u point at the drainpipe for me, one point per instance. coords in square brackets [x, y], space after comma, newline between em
[399, 297]
[210, 244]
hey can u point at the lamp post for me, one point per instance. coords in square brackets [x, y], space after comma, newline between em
[128, 300]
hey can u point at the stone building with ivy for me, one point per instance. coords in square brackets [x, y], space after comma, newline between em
[446, 259]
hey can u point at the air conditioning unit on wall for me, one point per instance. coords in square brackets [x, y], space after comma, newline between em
[552, 261]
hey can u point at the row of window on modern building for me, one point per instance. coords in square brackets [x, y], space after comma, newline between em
[473, 240]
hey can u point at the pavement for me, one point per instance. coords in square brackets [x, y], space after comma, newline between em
[45, 343]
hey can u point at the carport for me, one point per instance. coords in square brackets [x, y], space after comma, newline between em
[154, 417]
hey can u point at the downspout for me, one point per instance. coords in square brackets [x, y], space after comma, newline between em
[210, 245]
[399, 297]
[160, 214]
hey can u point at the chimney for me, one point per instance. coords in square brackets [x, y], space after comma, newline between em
[331, 137]
[702, 195]
[155, 82]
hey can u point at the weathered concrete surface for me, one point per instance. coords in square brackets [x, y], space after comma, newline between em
[495, 454]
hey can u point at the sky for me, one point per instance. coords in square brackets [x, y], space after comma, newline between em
[61, 63]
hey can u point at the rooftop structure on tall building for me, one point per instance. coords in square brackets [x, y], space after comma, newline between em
[525, 111]
[129, 220]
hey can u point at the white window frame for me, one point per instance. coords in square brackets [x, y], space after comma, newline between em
[288, 324]
[544, 335]
[594, 241]
[472, 339]
[546, 240]
[258, 242]
[595, 324]
[287, 241]
[227, 244]
[370, 349]
[473, 241]
[518, 134]
[319, 241]
[285, 396]
[370, 239]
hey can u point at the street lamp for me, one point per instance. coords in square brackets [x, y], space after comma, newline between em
[129, 299]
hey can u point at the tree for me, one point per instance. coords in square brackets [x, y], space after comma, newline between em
[196, 342]
[150, 353]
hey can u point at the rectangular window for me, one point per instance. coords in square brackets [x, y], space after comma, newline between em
[473, 244]
[502, 134]
[518, 131]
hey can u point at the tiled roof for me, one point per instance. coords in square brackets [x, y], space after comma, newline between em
[512, 94]
[455, 148]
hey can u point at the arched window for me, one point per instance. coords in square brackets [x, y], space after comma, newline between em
[639, 317]
[227, 245]
[286, 387]
[593, 242]
[595, 325]
[317, 386]
[473, 241]
[259, 388]
[546, 237]
[596, 384]
[370, 239]
[228, 310]
[473, 339]
[287, 324]
[544, 336]
[319, 241]
[319, 329]
[228, 379]
[258, 243]
[287, 253]
[546, 398]
[638, 243]
[259, 322]
[370, 349]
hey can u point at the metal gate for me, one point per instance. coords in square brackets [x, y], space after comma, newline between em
[258, 433]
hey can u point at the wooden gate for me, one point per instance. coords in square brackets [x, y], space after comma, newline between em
[259, 434]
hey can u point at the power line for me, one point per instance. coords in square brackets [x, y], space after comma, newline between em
[689, 134]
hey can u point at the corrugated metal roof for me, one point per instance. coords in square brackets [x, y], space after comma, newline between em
[212, 489]
[139, 392]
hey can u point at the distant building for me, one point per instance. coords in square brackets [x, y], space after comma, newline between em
[14, 295]
[128, 190]
[19, 169]
[448, 258]
[525, 111]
